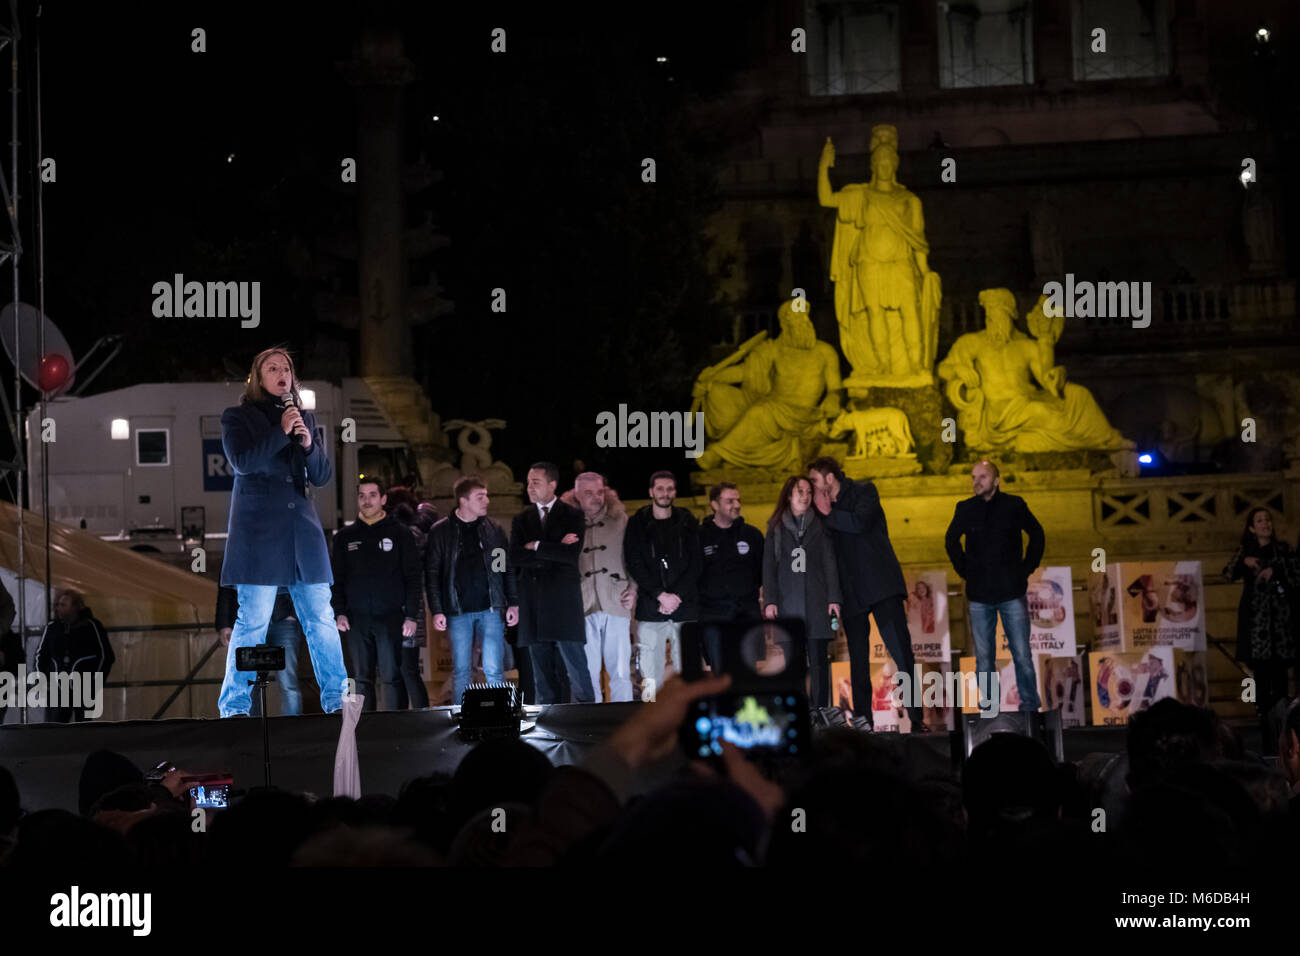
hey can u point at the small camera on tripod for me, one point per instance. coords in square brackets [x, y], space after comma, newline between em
[259, 657]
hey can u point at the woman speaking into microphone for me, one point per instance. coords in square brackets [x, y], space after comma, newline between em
[275, 538]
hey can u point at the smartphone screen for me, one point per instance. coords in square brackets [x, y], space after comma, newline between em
[773, 722]
[211, 797]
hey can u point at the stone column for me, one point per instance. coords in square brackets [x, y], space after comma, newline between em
[378, 72]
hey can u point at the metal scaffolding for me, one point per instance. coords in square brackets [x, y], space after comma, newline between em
[11, 250]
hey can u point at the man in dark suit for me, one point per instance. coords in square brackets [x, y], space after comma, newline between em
[545, 544]
[871, 581]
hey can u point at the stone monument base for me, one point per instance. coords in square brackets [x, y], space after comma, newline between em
[1091, 460]
[895, 467]
[857, 384]
[925, 409]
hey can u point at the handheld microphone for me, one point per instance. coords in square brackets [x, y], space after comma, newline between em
[286, 401]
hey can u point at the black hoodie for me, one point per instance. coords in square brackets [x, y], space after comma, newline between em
[78, 646]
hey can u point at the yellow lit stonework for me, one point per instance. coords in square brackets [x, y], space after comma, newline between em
[886, 296]
[1010, 394]
[766, 406]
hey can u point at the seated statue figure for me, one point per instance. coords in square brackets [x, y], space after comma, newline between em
[1010, 394]
[770, 399]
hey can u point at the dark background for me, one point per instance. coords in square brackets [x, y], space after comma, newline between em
[539, 150]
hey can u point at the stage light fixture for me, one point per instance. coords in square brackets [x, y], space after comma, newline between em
[1044, 726]
[490, 710]
[1145, 459]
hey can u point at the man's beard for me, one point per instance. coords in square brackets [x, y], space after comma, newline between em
[797, 332]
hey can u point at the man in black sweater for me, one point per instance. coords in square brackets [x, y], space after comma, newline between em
[871, 580]
[376, 593]
[732, 569]
[996, 571]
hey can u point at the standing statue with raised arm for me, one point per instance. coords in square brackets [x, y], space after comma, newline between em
[886, 297]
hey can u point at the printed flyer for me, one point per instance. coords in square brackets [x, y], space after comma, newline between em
[1141, 604]
[927, 619]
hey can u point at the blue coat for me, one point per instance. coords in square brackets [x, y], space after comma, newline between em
[275, 536]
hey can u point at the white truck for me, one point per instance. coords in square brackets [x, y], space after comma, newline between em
[144, 466]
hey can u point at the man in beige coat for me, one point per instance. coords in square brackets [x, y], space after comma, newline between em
[608, 594]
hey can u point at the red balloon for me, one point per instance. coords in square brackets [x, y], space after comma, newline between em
[53, 372]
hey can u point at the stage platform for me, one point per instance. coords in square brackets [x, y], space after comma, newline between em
[393, 747]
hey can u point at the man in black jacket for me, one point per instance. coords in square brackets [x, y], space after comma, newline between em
[545, 545]
[73, 643]
[871, 581]
[732, 571]
[661, 552]
[376, 593]
[996, 572]
[470, 584]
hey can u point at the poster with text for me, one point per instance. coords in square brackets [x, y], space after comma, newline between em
[1157, 603]
[1127, 682]
[927, 619]
[1008, 689]
[1050, 596]
[1064, 686]
[931, 685]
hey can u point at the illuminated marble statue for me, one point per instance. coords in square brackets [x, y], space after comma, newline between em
[475, 444]
[1010, 394]
[886, 297]
[771, 398]
[877, 432]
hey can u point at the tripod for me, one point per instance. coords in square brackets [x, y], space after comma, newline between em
[259, 688]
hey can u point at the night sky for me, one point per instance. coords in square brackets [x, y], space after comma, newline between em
[225, 165]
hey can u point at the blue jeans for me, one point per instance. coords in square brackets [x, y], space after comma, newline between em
[311, 603]
[490, 626]
[1015, 621]
[288, 635]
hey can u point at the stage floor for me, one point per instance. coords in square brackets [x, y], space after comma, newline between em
[393, 747]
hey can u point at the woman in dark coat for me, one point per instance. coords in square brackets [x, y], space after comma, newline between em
[1266, 616]
[803, 584]
[275, 538]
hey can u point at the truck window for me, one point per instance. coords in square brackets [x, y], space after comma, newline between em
[151, 447]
